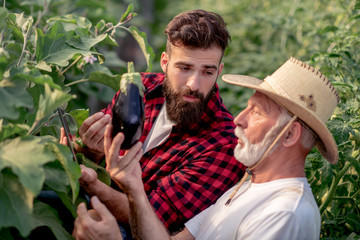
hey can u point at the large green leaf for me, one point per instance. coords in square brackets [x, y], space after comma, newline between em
[13, 95]
[53, 49]
[26, 156]
[16, 203]
[146, 49]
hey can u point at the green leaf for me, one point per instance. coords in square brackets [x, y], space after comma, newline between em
[42, 65]
[3, 15]
[112, 81]
[13, 95]
[129, 10]
[102, 174]
[146, 49]
[71, 168]
[44, 215]
[85, 42]
[80, 115]
[16, 203]
[37, 78]
[100, 26]
[71, 22]
[20, 24]
[25, 156]
[52, 47]
[10, 130]
[50, 101]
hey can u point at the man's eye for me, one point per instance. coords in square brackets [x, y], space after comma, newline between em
[184, 68]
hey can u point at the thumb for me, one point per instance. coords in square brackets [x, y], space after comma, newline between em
[100, 208]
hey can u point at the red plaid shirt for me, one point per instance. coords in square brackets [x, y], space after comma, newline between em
[193, 167]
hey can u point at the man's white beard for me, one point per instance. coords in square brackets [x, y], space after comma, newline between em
[250, 154]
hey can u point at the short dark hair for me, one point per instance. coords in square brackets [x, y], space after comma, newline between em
[197, 29]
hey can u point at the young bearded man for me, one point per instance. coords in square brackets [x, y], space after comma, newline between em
[188, 139]
[284, 120]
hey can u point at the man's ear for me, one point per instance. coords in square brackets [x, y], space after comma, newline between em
[164, 61]
[293, 134]
[221, 67]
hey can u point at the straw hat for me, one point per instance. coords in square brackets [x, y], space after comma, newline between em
[303, 91]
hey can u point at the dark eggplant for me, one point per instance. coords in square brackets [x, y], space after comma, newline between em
[128, 115]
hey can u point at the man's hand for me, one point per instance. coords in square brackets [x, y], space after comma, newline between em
[97, 223]
[92, 135]
[124, 170]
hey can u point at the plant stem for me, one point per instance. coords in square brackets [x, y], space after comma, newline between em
[26, 37]
[76, 82]
[333, 187]
[72, 64]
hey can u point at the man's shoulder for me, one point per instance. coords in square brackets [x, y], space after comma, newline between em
[151, 80]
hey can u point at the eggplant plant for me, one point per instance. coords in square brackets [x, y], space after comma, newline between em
[44, 52]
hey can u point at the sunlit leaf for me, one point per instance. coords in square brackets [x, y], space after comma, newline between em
[146, 49]
[50, 101]
[71, 22]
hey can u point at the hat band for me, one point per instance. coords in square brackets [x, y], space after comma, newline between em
[271, 81]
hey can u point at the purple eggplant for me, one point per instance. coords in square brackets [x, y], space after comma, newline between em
[128, 115]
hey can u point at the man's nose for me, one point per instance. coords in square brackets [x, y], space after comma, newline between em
[240, 120]
[194, 82]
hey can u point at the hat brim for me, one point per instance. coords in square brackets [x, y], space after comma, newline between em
[325, 144]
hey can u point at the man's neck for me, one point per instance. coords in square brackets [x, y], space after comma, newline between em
[279, 167]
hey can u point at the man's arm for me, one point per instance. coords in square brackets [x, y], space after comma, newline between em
[126, 172]
[99, 223]
[114, 200]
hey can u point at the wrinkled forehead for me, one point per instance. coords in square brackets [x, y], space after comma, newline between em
[266, 103]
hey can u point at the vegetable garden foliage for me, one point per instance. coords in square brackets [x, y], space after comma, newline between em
[40, 51]
[325, 34]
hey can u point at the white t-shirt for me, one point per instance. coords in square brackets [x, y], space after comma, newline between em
[280, 209]
[160, 131]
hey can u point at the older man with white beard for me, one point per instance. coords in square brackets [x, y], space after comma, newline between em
[283, 121]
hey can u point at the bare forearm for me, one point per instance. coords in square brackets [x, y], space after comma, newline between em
[117, 202]
[143, 220]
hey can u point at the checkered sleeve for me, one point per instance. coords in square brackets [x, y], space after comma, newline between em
[197, 184]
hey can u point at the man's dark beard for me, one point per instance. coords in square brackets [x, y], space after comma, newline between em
[181, 112]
